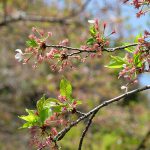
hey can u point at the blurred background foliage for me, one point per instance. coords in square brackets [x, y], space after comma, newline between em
[121, 126]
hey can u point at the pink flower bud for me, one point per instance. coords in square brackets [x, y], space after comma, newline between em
[31, 36]
[113, 32]
[49, 34]
[54, 131]
[104, 25]
[34, 29]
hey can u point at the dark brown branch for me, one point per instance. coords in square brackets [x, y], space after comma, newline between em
[79, 50]
[62, 133]
[142, 144]
[86, 129]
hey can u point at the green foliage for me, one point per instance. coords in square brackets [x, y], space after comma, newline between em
[31, 43]
[65, 88]
[137, 37]
[116, 62]
[129, 49]
[90, 41]
[31, 119]
[47, 107]
[57, 56]
[92, 31]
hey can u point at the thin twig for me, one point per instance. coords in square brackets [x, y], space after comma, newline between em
[142, 144]
[80, 113]
[86, 129]
[82, 8]
[62, 133]
[20, 17]
[79, 50]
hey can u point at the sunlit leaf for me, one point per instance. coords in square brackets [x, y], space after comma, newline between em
[65, 88]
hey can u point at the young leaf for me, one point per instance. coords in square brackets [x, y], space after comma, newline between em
[31, 43]
[79, 102]
[44, 114]
[31, 119]
[137, 37]
[27, 125]
[40, 103]
[130, 50]
[118, 59]
[65, 88]
[92, 31]
[57, 56]
[114, 64]
[90, 41]
[57, 108]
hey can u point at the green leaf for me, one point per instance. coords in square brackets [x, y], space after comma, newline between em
[27, 125]
[90, 41]
[57, 108]
[130, 50]
[31, 43]
[92, 31]
[51, 102]
[116, 62]
[136, 59]
[44, 114]
[137, 37]
[79, 102]
[40, 104]
[57, 56]
[31, 119]
[118, 59]
[65, 88]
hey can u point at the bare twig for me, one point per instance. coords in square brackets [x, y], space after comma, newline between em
[82, 8]
[65, 20]
[20, 17]
[62, 133]
[80, 113]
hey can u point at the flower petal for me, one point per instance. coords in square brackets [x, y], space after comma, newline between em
[91, 21]
[19, 51]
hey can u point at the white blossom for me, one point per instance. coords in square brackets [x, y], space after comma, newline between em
[124, 65]
[91, 21]
[124, 88]
[19, 55]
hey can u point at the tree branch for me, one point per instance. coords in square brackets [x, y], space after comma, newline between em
[82, 8]
[86, 129]
[79, 50]
[142, 144]
[23, 17]
[62, 133]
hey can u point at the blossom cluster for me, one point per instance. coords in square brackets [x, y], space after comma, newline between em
[139, 4]
[98, 41]
[60, 56]
[50, 116]
[139, 61]
[37, 50]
